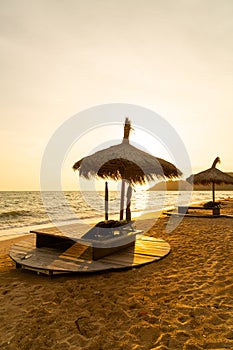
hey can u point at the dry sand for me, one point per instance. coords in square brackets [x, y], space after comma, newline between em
[184, 301]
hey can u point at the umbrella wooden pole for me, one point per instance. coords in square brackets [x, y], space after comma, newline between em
[122, 199]
[213, 193]
[106, 200]
[129, 195]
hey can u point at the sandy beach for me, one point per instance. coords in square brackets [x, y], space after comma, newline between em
[184, 301]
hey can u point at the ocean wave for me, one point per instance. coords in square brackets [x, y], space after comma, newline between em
[14, 213]
[42, 222]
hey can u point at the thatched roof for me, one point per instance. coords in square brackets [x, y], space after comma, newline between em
[211, 175]
[125, 161]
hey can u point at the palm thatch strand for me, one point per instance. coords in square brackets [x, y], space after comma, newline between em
[127, 129]
[215, 162]
[125, 162]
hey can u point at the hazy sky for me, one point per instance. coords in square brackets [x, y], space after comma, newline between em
[59, 57]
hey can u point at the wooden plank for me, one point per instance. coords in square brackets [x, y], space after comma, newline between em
[44, 257]
[49, 258]
[151, 245]
[25, 243]
[46, 272]
[53, 264]
[77, 249]
[80, 266]
[152, 252]
[65, 230]
[126, 259]
[149, 251]
[43, 253]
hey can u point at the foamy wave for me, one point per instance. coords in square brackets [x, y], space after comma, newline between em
[14, 213]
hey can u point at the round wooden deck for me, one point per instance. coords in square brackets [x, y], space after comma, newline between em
[53, 261]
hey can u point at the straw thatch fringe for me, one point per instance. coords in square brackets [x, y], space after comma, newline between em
[211, 175]
[125, 161]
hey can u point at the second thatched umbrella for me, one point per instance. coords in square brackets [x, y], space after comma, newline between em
[211, 176]
[127, 163]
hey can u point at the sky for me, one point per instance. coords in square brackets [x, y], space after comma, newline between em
[60, 57]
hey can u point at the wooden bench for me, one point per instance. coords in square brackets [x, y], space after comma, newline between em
[185, 209]
[94, 244]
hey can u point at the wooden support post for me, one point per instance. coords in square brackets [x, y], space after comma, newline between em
[213, 197]
[129, 195]
[122, 199]
[106, 200]
[213, 193]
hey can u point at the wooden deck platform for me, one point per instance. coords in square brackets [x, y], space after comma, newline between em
[75, 258]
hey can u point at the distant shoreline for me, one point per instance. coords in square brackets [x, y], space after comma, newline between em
[181, 185]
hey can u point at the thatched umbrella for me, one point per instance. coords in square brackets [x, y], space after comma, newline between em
[211, 176]
[127, 163]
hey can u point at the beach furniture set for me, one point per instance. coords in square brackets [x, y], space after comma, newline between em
[73, 248]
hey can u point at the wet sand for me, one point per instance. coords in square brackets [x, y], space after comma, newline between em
[184, 301]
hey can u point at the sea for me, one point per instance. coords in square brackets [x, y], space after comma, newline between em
[22, 211]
